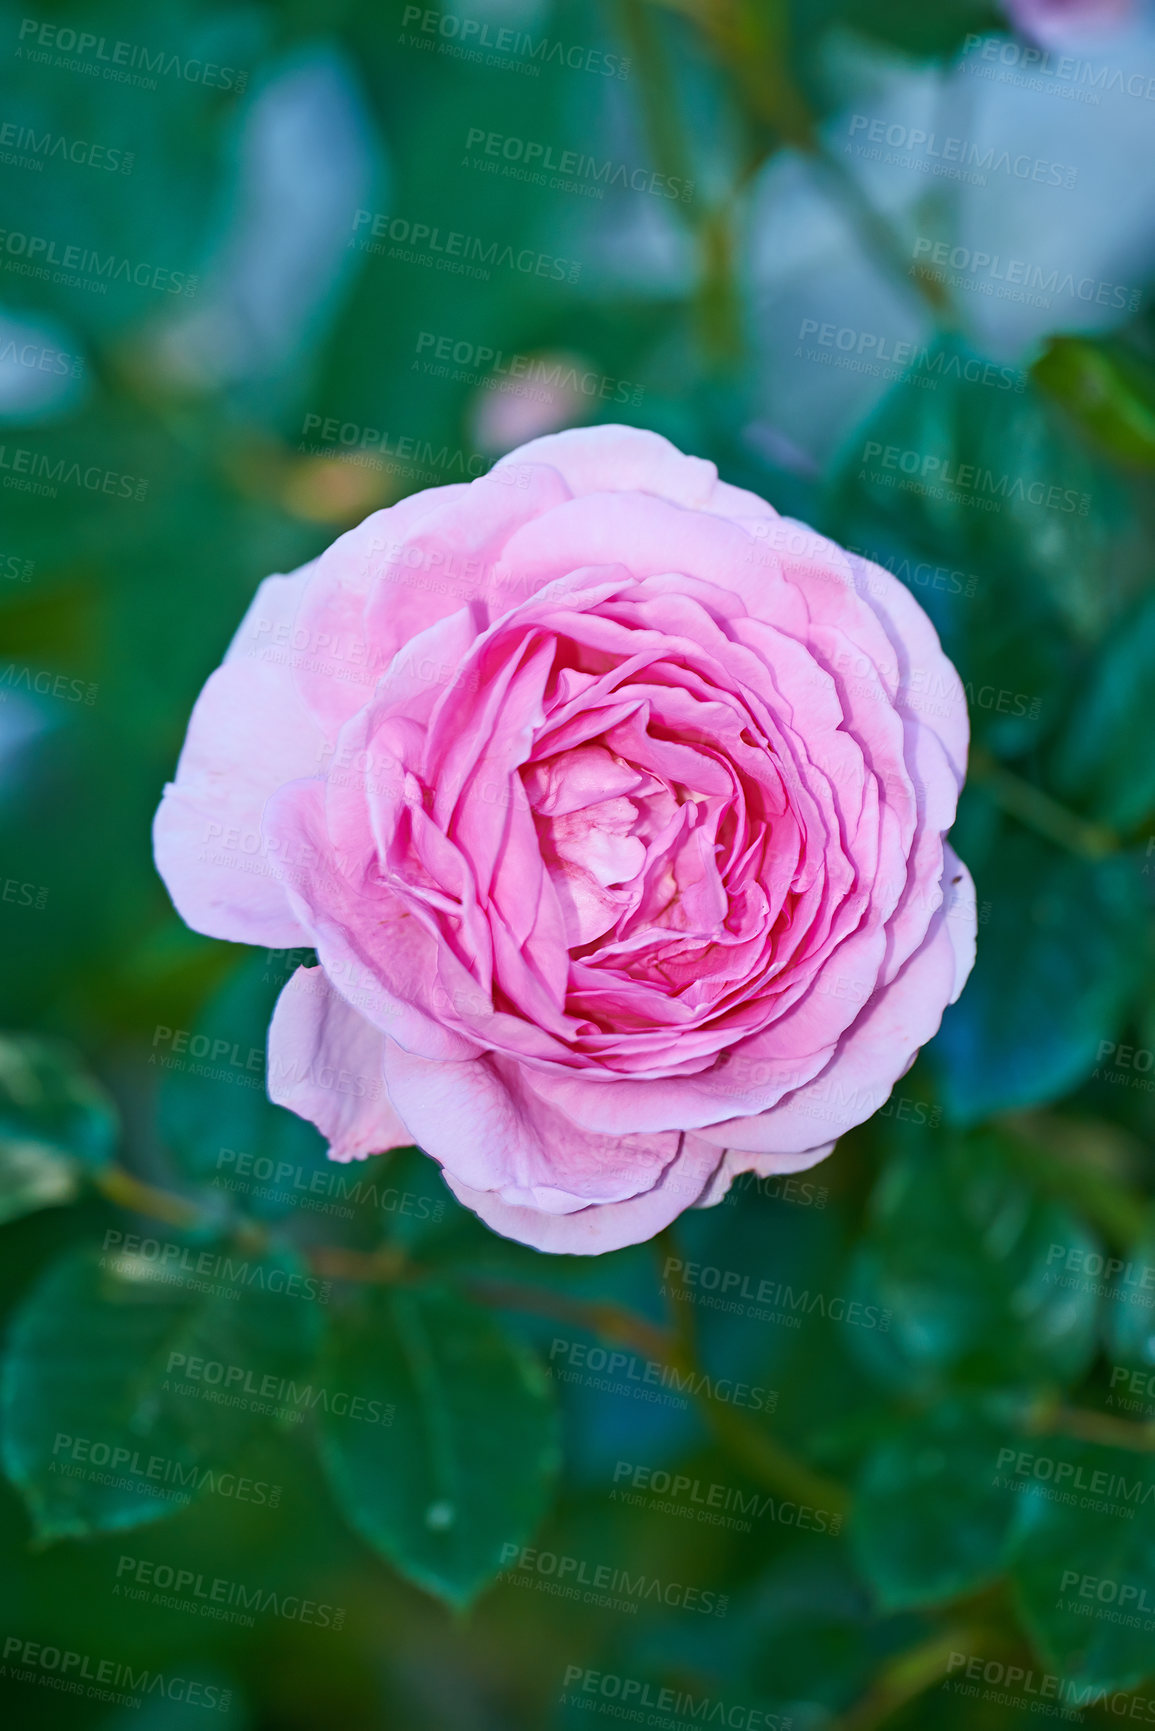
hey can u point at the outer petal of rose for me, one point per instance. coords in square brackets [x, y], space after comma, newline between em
[477, 1118]
[403, 570]
[248, 735]
[620, 460]
[609, 1225]
[880, 1047]
[737, 1161]
[326, 1064]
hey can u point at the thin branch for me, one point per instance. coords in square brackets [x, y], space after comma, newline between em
[1035, 809]
[131, 1192]
[910, 1675]
[1095, 1427]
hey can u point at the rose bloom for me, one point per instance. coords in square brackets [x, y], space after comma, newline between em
[613, 806]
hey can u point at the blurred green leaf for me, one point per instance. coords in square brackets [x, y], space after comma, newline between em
[1112, 396]
[464, 1466]
[1084, 1560]
[957, 1250]
[56, 1122]
[1058, 964]
[222, 1125]
[994, 477]
[1129, 1311]
[131, 1374]
[929, 1524]
[1103, 758]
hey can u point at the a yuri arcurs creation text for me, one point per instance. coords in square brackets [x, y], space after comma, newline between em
[613, 806]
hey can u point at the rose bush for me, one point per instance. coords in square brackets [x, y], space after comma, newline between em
[613, 805]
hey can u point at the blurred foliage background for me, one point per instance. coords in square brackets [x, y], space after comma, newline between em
[872, 1446]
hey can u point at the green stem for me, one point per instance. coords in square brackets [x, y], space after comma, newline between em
[1054, 1419]
[762, 1455]
[766, 1460]
[1038, 811]
[1120, 1215]
[911, 1674]
[128, 1191]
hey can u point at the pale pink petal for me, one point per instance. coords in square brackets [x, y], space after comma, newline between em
[610, 1226]
[735, 1161]
[249, 733]
[878, 1049]
[326, 1063]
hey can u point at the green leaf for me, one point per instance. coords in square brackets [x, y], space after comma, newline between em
[1058, 963]
[464, 1466]
[130, 1373]
[56, 1122]
[1084, 1559]
[960, 1253]
[1103, 758]
[999, 482]
[222, 1125]
[1129, 1312]
[1110, 392]
[929, 1523]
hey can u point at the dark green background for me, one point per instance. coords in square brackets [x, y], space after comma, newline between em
[1013, 1159]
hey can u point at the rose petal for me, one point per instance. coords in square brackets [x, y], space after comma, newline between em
[594, 1231]
[326, 1063]
[248, 735]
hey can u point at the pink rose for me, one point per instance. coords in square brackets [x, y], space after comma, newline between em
[613, 805]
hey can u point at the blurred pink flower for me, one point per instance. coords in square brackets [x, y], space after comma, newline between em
[1059, 21]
